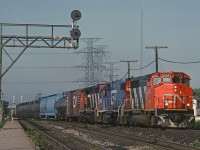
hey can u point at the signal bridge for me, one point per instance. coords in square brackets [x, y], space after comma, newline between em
[36, 36]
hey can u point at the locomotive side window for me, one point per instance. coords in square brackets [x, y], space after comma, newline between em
[185, 81]
[166, 80]
[156, 81]
[176, 80]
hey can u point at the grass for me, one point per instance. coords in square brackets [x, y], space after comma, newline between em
[38, 140]
[196, 143]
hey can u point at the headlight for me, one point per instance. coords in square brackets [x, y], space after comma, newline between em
[175, 86]
[175, 90]
[166, 104]
[188, 104]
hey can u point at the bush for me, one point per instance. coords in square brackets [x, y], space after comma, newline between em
[197, 124]
[196, 143]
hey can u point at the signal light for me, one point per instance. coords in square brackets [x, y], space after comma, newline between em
[76, 15]
[75, 34]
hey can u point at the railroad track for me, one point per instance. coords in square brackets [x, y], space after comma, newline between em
[58, 140]
[125, 139]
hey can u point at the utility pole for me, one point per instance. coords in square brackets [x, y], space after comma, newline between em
[141, 44]
[128, 62]
[156, 53]
[1, 65]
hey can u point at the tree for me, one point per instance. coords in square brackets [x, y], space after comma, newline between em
[196, 92]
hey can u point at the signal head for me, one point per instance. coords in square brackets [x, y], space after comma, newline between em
[76, 15]
[75, 34]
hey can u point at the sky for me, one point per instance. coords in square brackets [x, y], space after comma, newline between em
[171, 23]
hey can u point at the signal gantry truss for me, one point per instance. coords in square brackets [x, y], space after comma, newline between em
[36, 36]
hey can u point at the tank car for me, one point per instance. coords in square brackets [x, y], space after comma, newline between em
[19, 110]
[61, 106]
[35, 108]
[28, 109]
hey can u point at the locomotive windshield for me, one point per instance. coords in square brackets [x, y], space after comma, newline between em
[176, 80]
[181, 80]
[158, 80]
[166, 80]
[185, 81]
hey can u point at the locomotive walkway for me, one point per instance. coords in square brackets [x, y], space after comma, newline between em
[13, 137]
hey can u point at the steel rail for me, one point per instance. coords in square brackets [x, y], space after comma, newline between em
[152, 141]
[77, 139]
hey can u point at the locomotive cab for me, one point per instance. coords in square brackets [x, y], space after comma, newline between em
[169, 98]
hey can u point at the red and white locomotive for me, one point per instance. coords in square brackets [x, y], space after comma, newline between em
[169, 100]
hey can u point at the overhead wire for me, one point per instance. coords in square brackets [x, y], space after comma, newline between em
[145, 66]
[40, 67]
[124, 76]
[59, 82]
[42, 53]
[194, 62]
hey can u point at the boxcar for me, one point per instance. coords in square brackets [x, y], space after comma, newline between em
[73, 104]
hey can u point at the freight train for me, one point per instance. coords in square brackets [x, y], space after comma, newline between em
[162, 99]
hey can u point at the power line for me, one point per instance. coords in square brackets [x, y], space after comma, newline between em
[194, 62]
[41, 67]
[42, 53]
[59, 82]
[145, 66]
[123, 76]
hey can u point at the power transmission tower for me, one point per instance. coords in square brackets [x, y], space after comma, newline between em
[156, 53]
[99, 56]
[27, 39]
[111, 70]
[93, 66]
[128, 62]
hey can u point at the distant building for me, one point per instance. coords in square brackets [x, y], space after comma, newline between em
[196, 107]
